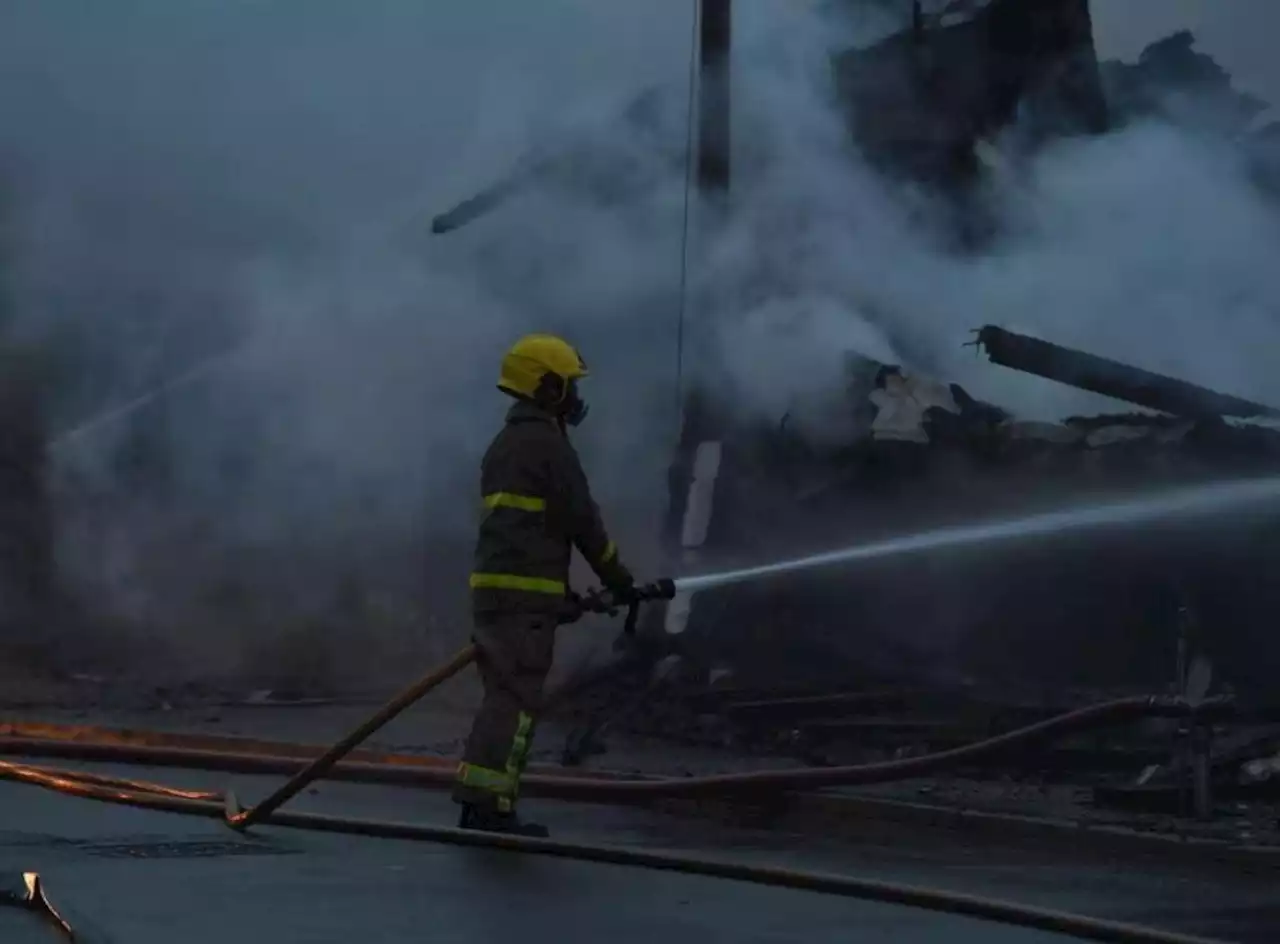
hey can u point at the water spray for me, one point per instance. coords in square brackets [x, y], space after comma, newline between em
[1190, 501]
[86, 429]
[1186, 502]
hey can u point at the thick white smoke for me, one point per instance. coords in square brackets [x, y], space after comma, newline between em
[1149, 245]
[262, 182]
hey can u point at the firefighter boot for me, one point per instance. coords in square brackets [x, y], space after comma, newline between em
[493, 821]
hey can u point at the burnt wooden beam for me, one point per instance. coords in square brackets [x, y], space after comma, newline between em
[477, 206]
[1112, 378]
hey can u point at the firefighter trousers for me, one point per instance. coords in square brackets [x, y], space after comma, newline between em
[515, 653]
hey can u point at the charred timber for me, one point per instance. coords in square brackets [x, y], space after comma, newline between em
[481, 203]
[1112, 378]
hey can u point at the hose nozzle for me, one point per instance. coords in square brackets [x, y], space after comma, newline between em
[662, 589]
[601, 601]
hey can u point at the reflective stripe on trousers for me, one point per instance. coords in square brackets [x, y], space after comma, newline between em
[503, 784]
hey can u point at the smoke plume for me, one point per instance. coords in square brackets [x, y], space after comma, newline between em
[231, 206]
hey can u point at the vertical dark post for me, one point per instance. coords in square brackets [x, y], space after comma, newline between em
[715, 38]
[1201, 780]
[1185, 625]
[712, 166]
[714, 146]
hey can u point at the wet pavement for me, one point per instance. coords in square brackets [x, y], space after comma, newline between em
[139, 877]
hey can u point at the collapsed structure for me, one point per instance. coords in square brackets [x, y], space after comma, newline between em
[1077, 615]
[1049, 618]
[920, 104]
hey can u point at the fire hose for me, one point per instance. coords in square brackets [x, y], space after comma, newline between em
[226, 808]
[242, 756]
[206, 804]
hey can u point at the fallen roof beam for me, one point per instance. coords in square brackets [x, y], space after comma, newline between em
[1112, 378]
[491, 197]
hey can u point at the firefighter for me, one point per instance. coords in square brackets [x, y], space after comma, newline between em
[537, 506]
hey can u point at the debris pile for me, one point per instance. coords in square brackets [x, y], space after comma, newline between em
[1219, 773]
[928, 454]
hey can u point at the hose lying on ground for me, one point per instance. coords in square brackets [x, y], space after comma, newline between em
[159, 797]
[225, 754]
[154, 796]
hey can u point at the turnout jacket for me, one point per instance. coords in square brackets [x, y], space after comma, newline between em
[536, 507]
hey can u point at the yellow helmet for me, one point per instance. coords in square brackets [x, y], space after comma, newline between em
[529, 361]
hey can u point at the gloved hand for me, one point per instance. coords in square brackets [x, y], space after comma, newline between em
[618, 581]
[571, 611]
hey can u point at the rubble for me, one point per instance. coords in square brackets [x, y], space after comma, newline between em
[1038, 621]
[1236, 761]
[872, 668]
[1116, 597]
[1136, 775]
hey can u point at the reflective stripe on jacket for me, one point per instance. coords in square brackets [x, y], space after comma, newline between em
[536, 506]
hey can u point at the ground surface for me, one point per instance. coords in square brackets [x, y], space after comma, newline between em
[138, 877]
[145, 877]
